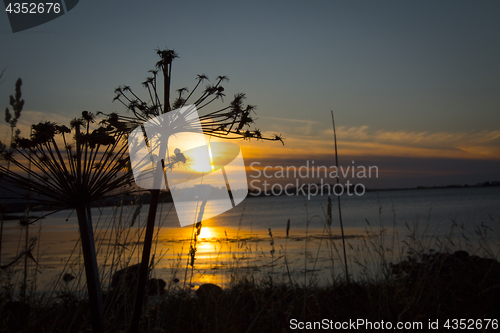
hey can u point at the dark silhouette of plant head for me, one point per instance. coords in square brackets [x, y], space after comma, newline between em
[70, 166]
[228, 121]
[166, 58]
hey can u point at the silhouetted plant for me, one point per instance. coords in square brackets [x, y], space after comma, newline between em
[339, 206]
[71, 167]
[17, 105]
[229, 122]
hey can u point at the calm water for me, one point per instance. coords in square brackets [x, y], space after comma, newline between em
[238, 242]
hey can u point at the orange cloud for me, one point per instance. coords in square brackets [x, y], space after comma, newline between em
[307, 138]
[360, 141]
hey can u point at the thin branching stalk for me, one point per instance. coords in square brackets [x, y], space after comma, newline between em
[338, 200]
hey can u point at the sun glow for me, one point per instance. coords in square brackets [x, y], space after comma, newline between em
[206, 233]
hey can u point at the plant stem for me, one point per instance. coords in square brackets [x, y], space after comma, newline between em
[91, 270]
[153, 205]
[143, 270]
[338, 200]
[25, 280]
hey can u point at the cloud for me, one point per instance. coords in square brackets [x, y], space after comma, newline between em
[296, 126]
[308, 138]
[360, 141]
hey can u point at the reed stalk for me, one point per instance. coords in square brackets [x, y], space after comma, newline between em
[338, 200]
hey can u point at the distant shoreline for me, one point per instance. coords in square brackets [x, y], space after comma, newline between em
[487, 184]
[165, 197]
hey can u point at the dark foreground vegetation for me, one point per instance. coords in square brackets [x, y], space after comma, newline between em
[432, 286]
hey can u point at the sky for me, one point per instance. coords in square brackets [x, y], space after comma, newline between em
[413, 85]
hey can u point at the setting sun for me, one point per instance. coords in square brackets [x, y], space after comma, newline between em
[206, 233]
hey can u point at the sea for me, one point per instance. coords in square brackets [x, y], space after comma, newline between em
[286, 239]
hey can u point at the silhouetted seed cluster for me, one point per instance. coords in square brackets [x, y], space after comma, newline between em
[192, 247]
[229, 122]
[69, 165]
[271, 242]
